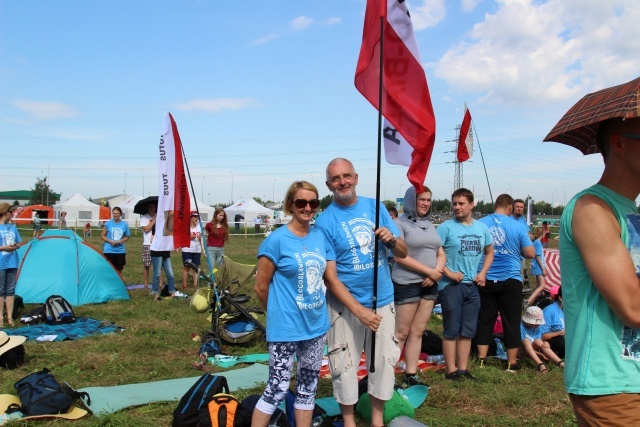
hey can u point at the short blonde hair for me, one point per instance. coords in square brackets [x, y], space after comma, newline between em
[291, 193]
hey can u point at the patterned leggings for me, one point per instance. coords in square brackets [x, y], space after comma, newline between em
[309, 354]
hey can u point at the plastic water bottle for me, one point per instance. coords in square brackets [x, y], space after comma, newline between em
[435, 358]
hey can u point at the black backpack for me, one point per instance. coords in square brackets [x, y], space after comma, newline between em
[198, 397]
[18, 306]
[57, 310]
[431, 343]
[42, 394]
[13, 358]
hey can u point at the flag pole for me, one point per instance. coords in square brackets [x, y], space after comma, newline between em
[376, 244]
[206, 252]
[483, 164]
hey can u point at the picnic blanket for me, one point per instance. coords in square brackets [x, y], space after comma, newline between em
[106, 400]
[363, 370]
[83, 327]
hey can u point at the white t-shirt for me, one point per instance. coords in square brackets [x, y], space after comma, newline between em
[147, 236]
[196, 234]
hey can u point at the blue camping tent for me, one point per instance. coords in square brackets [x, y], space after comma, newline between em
[59, 262]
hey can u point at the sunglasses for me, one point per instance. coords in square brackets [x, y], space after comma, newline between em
[632, 136]
[302, 203]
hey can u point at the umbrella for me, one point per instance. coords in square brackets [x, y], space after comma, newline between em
[141, 207]
[579, 126]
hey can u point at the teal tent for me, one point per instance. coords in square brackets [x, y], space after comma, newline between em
[59, 262]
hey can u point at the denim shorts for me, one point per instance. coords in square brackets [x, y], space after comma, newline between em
[8, 282]
[193, 256]
[460, 307]
[413, 292]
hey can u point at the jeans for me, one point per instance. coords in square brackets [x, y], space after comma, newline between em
[8, 282]
[158, 262]
[216, 255]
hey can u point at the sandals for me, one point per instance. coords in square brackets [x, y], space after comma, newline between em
[542, 368]
[560, 364]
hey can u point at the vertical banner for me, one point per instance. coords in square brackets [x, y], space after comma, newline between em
[172, 222]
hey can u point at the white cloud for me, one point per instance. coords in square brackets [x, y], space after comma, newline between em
[217, 105]
[469, 5]
[265, 39]
[333, 20]
[537, 52]
[45, 110]
[428, 14]
[301, 22]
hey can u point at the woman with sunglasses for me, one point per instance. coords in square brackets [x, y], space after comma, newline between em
[290, 287]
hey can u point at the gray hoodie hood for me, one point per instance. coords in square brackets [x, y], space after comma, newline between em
[410, 205]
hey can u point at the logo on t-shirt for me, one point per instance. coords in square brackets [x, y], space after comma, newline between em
[311, 266]
[8, 239]
[117, 233]
[470, 245]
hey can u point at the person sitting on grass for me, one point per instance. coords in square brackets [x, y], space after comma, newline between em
[553, 329]
[532, 339]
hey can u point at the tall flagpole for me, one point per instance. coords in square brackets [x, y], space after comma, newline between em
[204, 248]
[376, 244]
[483, 165]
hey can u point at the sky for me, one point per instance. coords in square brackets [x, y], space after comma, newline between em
[262, 93]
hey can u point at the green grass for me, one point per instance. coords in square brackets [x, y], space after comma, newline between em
[157, 345]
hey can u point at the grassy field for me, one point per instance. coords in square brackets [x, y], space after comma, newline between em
[157, 344]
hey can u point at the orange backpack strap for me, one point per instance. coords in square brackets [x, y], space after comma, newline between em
[221, 411]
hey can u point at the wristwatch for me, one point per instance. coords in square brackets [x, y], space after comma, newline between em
[391, 243]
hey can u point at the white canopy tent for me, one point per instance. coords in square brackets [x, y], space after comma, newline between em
[79, 211]
[127, 206]
[248, 208]
[206, 211]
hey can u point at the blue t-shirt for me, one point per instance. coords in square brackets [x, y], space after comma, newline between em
[296, 306]
[536, 269]
[464, 247]
[349, 230]
[115, 231]
[509, 237]
[8, 236]
[522, 220]
[553, 319]
[530, 334]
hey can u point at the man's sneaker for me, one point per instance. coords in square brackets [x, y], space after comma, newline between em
[513, 367]
[453, 376]
[413, 380]
[466, 375]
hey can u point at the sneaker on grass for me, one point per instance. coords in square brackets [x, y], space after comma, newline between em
[513, 367]
[466, 375]
[413, 380]
[453, 376]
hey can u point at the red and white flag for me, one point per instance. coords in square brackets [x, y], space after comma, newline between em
[465, 139]
[172, 221]
[406, 102]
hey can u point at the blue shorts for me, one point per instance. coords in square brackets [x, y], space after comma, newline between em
[8, 282]
[460, 307]
[194, 257]
[413, 292]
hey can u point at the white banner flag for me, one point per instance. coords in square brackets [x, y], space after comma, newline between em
[172, 221]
